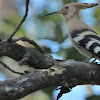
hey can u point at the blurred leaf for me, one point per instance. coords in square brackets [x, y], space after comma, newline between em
[49, 91]
[10, 24]
[93, 97]
[72, 53]
[69, 1]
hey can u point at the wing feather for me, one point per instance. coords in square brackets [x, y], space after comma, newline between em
[89, 42]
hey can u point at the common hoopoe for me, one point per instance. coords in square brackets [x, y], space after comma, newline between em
[84, 39]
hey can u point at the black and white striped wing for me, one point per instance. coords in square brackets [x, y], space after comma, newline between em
[88, 39]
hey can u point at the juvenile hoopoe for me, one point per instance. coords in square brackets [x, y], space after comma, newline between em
[84, 39]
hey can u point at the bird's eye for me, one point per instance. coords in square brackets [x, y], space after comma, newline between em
[66, 7]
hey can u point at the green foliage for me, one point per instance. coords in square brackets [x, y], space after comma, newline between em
[93, 97]
[69, 1]
[72, 53]
[9, 25]
[49, 91]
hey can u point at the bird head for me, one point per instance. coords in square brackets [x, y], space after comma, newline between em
[71, 9]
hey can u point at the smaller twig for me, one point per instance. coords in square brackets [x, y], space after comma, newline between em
[31, 42]
[23, 19]
[63, 90]
[3, 64]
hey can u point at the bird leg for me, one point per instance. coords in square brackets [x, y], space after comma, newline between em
[94, 60]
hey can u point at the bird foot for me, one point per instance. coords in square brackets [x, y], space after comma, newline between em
[93, 62]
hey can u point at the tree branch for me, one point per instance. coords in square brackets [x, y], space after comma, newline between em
[66, 72]
[25, 56]
[3, 64]
[23, 19]
[31, 42]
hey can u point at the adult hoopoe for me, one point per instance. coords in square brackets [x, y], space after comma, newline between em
[84, 39]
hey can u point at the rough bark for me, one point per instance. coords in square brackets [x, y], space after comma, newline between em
[25, 55]
[67, 73]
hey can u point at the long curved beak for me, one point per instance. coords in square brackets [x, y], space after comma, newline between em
[56, 12]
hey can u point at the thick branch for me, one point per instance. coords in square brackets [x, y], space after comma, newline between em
[25, 56]
[69, 72]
